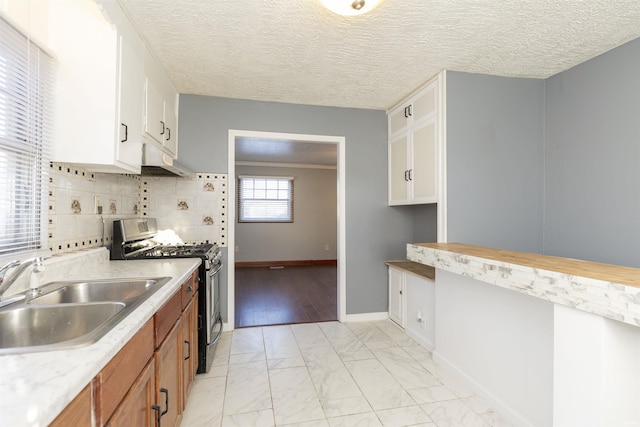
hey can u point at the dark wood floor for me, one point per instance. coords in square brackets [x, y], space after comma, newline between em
[294, 294]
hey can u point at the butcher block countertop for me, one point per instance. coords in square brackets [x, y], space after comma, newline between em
[426, 271]
[606, 290]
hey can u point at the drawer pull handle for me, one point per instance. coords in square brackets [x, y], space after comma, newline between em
[166, 400]
[158, 415]
[188, 349]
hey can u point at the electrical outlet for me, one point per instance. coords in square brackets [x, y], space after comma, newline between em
[326, 247]
[237, 248]
[97, 205]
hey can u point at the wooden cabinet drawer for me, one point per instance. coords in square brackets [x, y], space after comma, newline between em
[189, 289]
[166, 317]
[115, 380]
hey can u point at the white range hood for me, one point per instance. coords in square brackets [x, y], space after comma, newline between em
[155, 162]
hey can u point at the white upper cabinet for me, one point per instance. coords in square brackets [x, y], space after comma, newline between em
[161, 108]
[100, 86]
[413, 128]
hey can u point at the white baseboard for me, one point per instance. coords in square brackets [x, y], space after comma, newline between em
[361, 317]
[494, 402]
[366, 317]
[420, 339]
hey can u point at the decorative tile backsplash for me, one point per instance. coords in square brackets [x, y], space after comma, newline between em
[83, 205]
[195, 208]
[75, 198]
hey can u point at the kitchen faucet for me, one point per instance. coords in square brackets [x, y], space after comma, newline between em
[5, 282]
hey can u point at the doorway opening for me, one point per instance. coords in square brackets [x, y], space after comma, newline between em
[272, 153]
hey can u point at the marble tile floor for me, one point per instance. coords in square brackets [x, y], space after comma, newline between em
[329, 374]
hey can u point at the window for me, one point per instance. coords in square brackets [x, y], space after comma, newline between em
[26, 83]
[265, 199]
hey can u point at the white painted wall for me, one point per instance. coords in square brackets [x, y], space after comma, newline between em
[501, 342]
[596, 370]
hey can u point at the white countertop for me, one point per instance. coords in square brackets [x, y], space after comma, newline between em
[36, 387]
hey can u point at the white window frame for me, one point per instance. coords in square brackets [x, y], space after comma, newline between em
[26, 99]
[267, 195]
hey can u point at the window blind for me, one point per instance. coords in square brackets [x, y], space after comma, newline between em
[265, 199]
[26, 88]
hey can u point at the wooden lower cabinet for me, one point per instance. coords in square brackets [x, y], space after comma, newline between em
[77, 413]
[169, 377]
[190, 348]
[115, 380]
[147, 382]
[138, 408]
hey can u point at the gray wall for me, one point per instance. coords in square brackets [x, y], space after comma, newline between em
[592, 159]
[314, 219]
[494, 161]
[374, 232]
[425, 223]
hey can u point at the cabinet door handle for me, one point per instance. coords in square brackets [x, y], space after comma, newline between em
[406, 175]
[410, 110]
[166, 400]
[188, 349]
[157, 409]
[189, 288]
[410, 177]
[400, 292]
[126, 132]
[406, 114]
[168, 134]
[162, 133]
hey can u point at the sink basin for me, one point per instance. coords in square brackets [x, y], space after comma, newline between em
[71, 314]
[46, 325]
[123, 290]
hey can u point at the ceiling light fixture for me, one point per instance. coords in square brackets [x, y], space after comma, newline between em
[350, 7]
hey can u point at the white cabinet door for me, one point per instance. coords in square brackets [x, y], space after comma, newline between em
[423, 171]
[413, 126]
[160, 112]
[154, 125]
[170, 142]
[398, 170]
[100, 86]
[399, 119]
[131, 74]
[396, 297]
[423, 104]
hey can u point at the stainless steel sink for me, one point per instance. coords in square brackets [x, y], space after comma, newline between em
[71, 314]
[94, 291]
[46, 325]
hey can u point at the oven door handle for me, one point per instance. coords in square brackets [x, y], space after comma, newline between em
[215, 340]
[216, 270]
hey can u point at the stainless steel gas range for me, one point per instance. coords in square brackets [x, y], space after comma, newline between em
[138, 239]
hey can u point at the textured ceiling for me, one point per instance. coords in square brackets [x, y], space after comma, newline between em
[296, 51]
